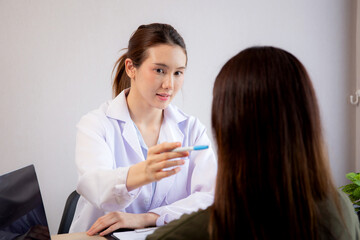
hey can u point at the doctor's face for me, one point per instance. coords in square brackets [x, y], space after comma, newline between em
[158, 79]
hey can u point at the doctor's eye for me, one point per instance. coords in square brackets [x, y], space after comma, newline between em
[159, 70]
[178, 73]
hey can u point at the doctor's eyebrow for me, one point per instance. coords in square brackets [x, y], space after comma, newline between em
[166, 66]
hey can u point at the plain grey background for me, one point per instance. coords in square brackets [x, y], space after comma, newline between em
[57, 57]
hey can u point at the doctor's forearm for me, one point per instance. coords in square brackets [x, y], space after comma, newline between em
[150, 219]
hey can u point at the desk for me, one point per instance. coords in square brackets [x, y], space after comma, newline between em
[78, 236]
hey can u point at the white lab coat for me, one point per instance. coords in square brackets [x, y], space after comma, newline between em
[107, 145]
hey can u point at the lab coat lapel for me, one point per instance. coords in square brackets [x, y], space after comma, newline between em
[130, 136]
[170, 132]
[118, 110]
[171, 128]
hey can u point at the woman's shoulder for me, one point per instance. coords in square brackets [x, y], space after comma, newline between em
[346, 206]
[189, 226]
[344, 225]
[348, 210]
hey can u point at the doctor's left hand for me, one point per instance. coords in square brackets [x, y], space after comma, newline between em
[115, 220]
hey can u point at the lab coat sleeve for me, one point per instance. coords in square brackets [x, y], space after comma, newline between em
[203, 169]
[100, 182]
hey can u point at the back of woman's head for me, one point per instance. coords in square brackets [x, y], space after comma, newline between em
[272, 164]
[142, 39]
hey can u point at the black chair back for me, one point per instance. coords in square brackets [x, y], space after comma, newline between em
[68, 213]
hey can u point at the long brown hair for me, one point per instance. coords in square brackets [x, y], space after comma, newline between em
[142, 39]
[273, 170]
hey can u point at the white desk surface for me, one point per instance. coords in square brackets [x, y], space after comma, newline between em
[77, 236]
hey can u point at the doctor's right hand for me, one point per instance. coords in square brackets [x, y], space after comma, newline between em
[154, 168]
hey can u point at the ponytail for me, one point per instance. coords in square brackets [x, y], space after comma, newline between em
[121, 79]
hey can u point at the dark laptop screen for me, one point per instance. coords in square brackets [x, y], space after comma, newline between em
[22, 214]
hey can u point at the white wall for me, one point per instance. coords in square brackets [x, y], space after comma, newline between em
[358, 86]
[57, 56]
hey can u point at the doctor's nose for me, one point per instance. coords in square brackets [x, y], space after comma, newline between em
[168, 82]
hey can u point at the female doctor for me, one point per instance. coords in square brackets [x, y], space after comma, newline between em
[128, 178]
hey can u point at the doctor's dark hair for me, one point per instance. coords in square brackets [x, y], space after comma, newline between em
[142, 39]
[273, 168]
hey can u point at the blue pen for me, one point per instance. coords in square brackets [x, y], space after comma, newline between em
[191, 148]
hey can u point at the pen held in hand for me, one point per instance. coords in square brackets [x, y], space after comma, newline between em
[191, 148]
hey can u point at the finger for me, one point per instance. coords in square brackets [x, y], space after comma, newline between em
[99, 225]
[92, 230]
[171, 155]
[110, 229]
[168, 164]
[168, 173]
[164, 147]
[105, 221]
[164, 165]
[167, 156]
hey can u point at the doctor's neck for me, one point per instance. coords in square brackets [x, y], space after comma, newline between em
[143, 114]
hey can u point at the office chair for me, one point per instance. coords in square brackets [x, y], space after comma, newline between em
[68, 213]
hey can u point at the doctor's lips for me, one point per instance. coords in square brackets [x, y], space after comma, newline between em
[163, 96]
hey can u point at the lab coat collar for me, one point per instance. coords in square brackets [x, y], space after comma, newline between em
[171, 127]
[172, 112]
[119, 110]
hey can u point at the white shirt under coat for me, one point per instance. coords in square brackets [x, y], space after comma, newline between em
[107, 145]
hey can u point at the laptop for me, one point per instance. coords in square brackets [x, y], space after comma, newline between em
[22, 213]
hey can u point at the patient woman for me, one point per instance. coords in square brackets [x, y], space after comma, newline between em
[273, 177]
